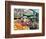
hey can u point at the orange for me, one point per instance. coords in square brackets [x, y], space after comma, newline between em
[18, 25]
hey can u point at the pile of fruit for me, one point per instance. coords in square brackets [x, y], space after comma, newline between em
[21, 25]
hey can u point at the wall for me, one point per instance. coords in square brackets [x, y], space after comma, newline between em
[2, 20]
